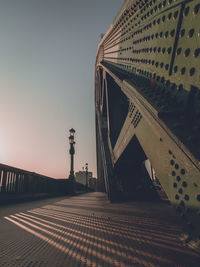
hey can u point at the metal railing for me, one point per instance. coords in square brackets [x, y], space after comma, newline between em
[18, 181]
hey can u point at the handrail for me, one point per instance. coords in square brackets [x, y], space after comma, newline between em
[18, 181]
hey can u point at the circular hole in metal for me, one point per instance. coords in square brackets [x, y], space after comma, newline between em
[169, 50]
[175, 69]
[167, 66]
[176, 166]
[180, 191]
[186, 11]
[184, 184]
[183, 70]
[161, 34]
[175, 14]
[163, 50]
[166, 34]
[172, 162]
[192, 71]
[163, 18]
[178, 178]
[182, 171]
[191, 33]
[172, 33]
[182, 32]
[175, 185]
[196, 9]
[186, 197]
[187, 52]
[197, 52]
[198, 197]
[179, 51]
[161, 64]
[169, 15]
[173, 173]
[164, 3]
[182, 204]
[176, 196]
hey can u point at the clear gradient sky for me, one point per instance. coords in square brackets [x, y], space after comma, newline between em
[47, 56]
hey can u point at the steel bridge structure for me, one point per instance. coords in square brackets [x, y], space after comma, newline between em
[147, 102]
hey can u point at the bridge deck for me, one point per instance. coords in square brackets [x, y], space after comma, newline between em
[87, 230]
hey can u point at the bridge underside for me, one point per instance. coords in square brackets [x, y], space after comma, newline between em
[146, 110]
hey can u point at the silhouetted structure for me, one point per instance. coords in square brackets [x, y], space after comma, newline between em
[71, 152]
[147, 103]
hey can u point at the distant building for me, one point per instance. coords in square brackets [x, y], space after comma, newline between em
[81, 177]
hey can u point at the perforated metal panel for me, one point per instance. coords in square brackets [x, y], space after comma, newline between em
[153, 47]
[158, 39]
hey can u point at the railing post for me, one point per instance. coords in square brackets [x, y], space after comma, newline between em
[16, 182]
[3, 185]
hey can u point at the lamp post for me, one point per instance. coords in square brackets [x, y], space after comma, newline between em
[71, 152]
[86, 175]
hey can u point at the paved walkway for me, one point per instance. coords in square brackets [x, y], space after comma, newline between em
[87, 230]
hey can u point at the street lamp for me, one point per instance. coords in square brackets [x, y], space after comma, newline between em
[86, 175]
[72, 152]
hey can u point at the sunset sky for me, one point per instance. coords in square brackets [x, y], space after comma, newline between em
[47, 55]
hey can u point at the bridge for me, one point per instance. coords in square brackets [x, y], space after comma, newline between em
[147, 96]
[147, 128]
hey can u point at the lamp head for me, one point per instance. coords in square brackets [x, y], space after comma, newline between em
[72, 131]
